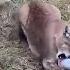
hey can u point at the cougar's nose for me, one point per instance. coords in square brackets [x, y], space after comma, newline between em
[62, 56]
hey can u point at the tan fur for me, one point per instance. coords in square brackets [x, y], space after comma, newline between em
[43, 27]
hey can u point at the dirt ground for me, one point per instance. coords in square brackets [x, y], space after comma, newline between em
[13, 54]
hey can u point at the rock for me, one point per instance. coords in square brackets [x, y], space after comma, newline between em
[9, 29]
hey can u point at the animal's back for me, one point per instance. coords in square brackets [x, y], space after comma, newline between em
[38, 22]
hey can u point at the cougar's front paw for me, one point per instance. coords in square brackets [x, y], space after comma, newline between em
[50, 64]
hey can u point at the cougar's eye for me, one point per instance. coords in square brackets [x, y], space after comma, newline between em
[61, 56]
